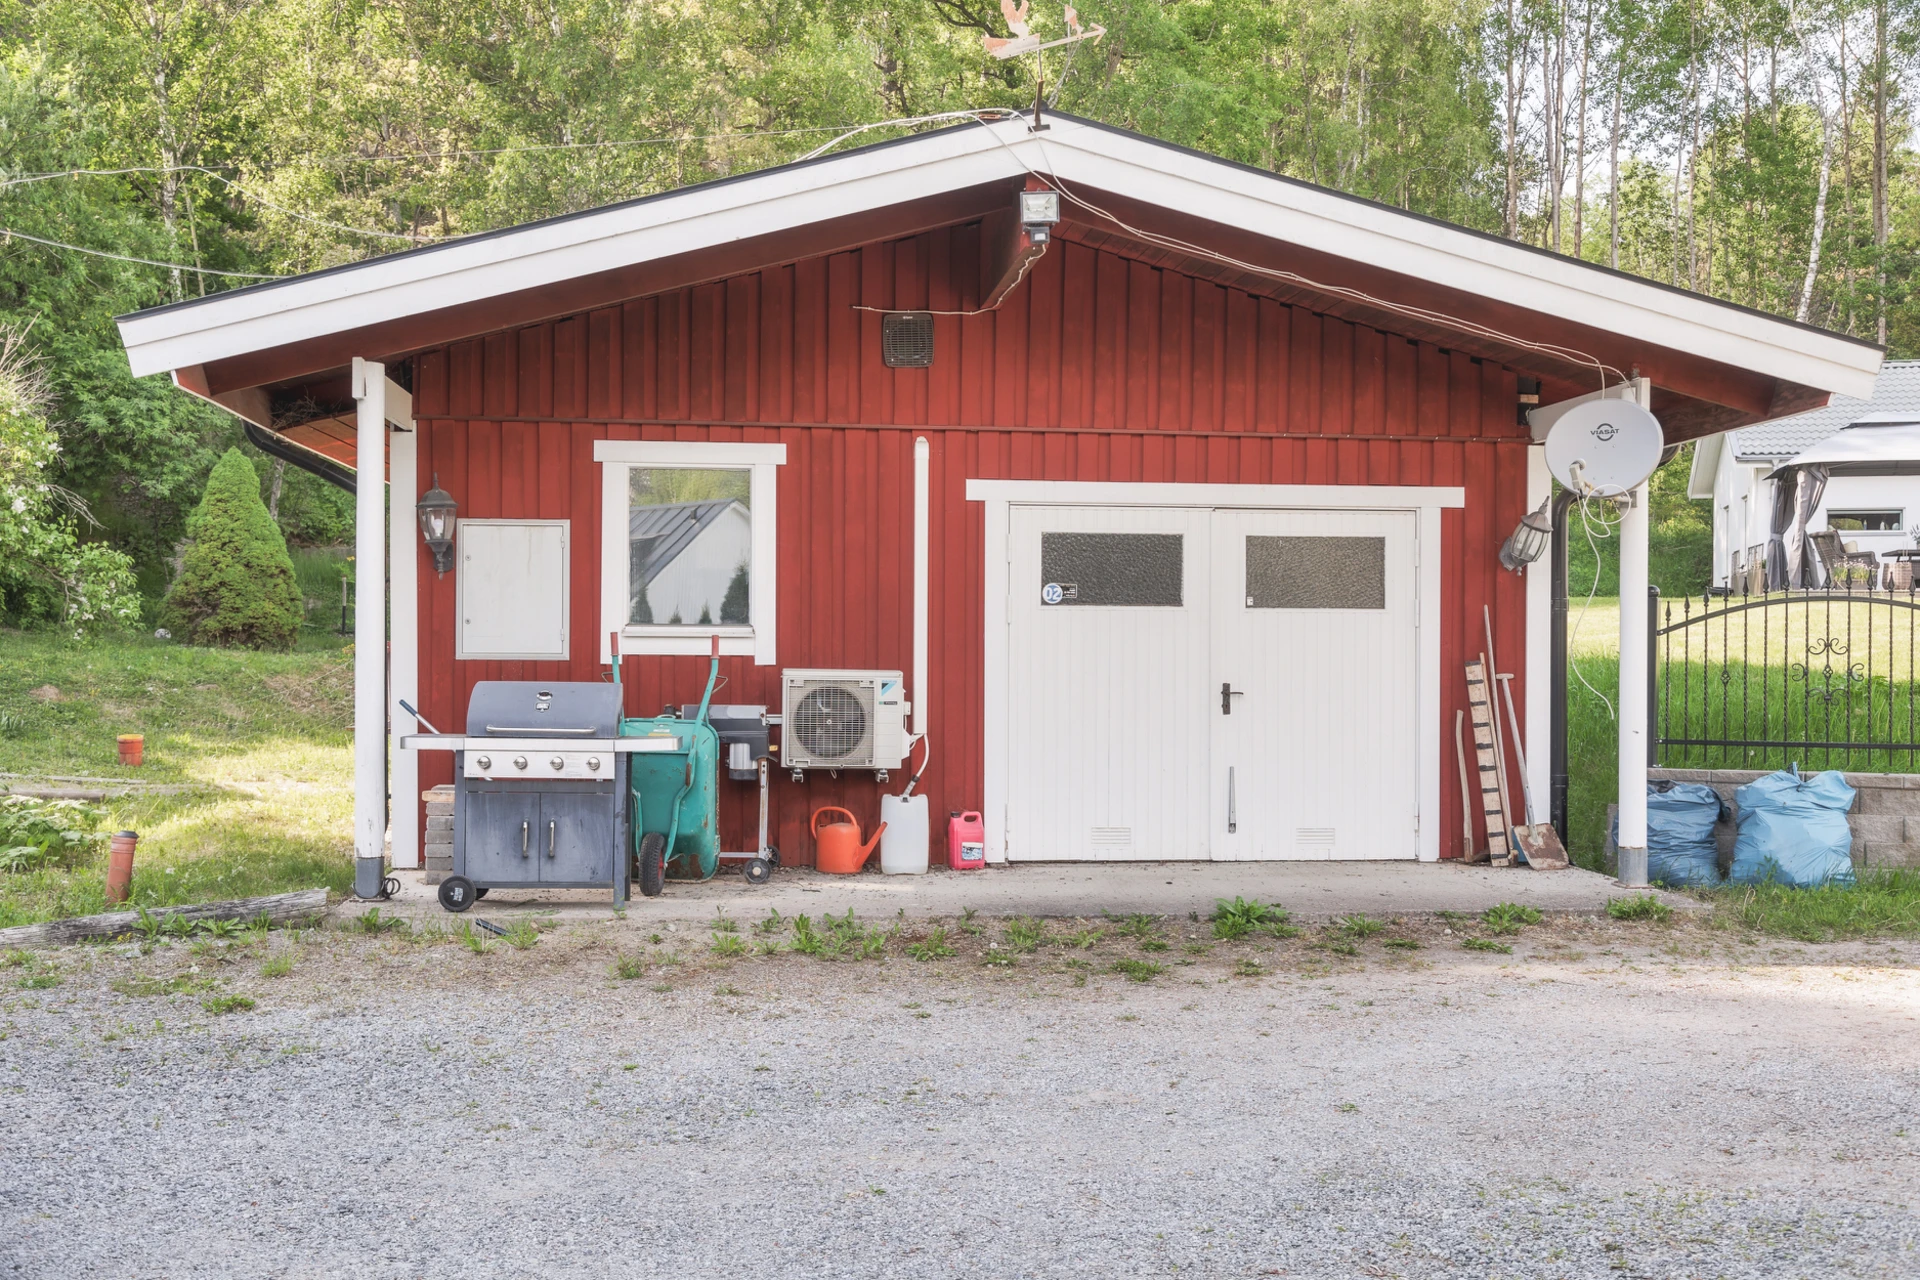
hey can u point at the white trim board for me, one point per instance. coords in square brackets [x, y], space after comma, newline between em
[1427, 501]
[1073, 151]
[758, 639]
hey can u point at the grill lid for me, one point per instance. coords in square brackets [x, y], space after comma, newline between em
[543, 709]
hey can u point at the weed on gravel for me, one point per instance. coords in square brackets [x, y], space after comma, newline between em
[1508, 918]
[1643, 906]
[1486, 944]
[1139, 970]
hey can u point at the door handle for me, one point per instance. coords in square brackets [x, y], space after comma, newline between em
[1227, 694]
[550, 827]
[524, 827]
[1233, 818]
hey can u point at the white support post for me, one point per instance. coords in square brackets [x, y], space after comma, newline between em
[403, 666]
[1632, 844]
[370, 630]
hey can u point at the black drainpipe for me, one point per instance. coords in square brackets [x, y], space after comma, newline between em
[1557, 730]
[277, 446]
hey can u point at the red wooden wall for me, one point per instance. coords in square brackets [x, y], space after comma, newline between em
[1097, 368]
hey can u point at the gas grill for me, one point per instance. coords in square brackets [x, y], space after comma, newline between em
[539, 800]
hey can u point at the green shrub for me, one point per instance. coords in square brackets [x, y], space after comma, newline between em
[236, 585]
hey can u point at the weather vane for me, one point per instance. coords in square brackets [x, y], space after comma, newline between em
[1024, 41]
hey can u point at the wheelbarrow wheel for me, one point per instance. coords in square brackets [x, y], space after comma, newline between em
[456, 893]
[653, 864]
[757, 871]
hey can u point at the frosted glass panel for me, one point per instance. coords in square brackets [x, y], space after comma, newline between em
[1316, 573]
[1140, 569]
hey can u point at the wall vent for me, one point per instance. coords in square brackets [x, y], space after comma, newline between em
[1111, 837]
[1317, 838]
[906, 339]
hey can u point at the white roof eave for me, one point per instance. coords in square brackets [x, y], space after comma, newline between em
[1078, 155]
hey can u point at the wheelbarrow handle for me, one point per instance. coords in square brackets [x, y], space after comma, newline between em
[814, 826]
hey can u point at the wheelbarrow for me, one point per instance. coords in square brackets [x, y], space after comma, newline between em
[671, 779]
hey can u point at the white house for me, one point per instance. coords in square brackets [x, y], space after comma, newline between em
[1872, 513]
[684, 559]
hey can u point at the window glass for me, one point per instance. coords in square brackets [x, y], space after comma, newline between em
[1316, 573]
[689, 546]
[1864, 521]
[1111, 569]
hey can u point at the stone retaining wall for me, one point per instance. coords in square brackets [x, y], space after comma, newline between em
[1885, 817]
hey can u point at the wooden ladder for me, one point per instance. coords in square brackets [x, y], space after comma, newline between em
[1480, 711]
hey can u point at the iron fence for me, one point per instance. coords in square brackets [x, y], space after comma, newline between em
[1824, 679]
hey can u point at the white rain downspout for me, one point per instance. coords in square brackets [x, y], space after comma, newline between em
[403, 666]
[922, 453]
[370, 630]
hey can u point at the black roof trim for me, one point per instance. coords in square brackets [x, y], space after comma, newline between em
[1118, 130]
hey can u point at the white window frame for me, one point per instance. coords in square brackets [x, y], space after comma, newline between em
[616, 459]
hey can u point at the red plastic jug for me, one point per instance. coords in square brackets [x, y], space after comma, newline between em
[966, 841]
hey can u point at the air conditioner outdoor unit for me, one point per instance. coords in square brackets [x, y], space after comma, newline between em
[843, 720]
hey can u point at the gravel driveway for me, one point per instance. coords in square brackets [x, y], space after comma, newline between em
[1609, 1100]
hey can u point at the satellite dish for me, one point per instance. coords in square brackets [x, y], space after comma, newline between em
[1604, 447]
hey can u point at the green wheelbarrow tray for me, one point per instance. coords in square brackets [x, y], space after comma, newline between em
[674, 792]
[673, 784]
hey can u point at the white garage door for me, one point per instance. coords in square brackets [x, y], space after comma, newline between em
[1228, 684]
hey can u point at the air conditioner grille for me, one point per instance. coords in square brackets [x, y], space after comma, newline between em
[831, 722]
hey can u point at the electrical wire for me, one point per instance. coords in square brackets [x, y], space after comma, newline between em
[1569, 354]
[1587, 522]
[7, 233]
[983, 115]
[977, 311]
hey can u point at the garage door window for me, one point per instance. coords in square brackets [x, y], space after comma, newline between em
[1316, 573]
[1141, 570]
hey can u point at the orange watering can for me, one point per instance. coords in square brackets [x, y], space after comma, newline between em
[836, 847]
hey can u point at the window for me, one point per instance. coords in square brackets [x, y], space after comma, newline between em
[1316, 573]
[687, 553]
[1887, 521]
[1111, 568]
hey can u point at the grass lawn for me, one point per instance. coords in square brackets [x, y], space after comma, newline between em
[262, 742]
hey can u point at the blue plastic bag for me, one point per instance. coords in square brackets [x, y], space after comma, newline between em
[1793, 830]
[1680, 847]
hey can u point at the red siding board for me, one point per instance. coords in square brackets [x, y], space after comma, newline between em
[1098, 368]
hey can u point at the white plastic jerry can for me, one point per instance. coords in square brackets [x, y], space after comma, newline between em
[903, 845]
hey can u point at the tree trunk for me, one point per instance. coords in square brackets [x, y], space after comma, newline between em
[1613, 170]
[278, 908]
[1580, 144]
[1880, 169]
[1819, 218]
[1513, 130]
[273, 490]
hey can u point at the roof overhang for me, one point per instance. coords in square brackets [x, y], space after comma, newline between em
[1713, 365]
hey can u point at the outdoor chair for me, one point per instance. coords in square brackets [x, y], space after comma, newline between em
[1844, 566]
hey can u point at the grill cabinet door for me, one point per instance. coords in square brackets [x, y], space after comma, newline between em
[498, 821]
[576, 837]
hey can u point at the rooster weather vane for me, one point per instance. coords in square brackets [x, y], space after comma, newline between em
[1024, 41]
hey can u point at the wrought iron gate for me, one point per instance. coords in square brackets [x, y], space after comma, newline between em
[1825, 679]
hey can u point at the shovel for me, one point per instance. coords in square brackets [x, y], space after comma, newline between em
[1537, 840]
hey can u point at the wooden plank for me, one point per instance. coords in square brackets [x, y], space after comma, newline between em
[278, 908]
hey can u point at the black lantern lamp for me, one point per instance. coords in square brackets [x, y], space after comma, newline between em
[1528, 539]
[436, 510]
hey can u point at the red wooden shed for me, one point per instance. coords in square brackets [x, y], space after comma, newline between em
[1218, 465]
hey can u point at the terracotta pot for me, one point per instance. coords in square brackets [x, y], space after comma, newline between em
[132, 745]
[120, 865]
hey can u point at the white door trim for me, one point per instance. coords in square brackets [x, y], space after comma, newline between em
[1426, 501]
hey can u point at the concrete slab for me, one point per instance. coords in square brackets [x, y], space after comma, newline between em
[1310, 890]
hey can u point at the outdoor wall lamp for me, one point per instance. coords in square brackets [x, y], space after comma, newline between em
[1528, 539]
[1039, 210]
[436, 510]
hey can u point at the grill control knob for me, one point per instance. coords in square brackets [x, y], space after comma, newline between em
[558, 763]
[519, 762]
[485, 762]
[593, 762]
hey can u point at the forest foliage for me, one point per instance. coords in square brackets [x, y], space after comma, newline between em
[1758, 150]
